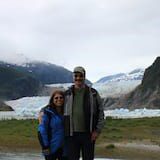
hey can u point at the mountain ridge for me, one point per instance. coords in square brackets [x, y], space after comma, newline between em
[136, 74]
[145, 95]
[29, 79]
[119, 84]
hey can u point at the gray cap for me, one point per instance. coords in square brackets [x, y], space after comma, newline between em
[80, 70]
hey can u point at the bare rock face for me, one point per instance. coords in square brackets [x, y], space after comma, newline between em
[147, 94]
[4, 107]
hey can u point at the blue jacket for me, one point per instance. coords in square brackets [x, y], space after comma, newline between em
[51, 130]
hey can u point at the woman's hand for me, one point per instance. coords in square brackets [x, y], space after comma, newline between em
[46, 151]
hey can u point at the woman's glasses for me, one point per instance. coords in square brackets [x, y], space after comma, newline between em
[58, 97]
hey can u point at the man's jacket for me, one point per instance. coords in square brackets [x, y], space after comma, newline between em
[93, 111]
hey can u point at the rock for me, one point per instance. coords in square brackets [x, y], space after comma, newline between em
[4, 107]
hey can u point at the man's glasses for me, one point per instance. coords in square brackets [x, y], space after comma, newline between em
[78, 75]
[60, 97]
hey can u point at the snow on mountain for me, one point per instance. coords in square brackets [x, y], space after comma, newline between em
[136, 74]
[20, 59]
[119, 84]
[29, 107]
[17, 59]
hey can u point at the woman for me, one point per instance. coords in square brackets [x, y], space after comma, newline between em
[51, 129]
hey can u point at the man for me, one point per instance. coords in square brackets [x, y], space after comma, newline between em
[84, 117]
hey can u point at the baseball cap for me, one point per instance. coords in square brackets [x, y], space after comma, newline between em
[79, 69]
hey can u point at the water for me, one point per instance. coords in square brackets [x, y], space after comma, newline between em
[28, 156]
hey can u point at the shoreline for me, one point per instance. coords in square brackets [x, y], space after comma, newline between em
[131, 145]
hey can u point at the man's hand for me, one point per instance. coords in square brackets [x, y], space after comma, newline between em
[94, 136]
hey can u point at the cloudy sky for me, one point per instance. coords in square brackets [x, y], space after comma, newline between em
[104, 36]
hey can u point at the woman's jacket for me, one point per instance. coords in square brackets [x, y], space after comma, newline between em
[51, 130]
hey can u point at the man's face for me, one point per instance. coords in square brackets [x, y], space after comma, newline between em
[78, 79]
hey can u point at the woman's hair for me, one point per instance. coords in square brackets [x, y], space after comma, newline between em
[52, 97]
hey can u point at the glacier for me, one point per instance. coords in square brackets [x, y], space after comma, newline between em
[116, 88]
[29, 107]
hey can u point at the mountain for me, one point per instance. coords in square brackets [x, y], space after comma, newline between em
[45, 72]
[146, 95]
[48, 73]
[28, 79]
[119, 84]
[20, 77]
[15, 83]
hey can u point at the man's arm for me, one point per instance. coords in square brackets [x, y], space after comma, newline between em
[100, 122]
[40, 114]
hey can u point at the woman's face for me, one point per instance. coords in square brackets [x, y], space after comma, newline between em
[58, 100]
